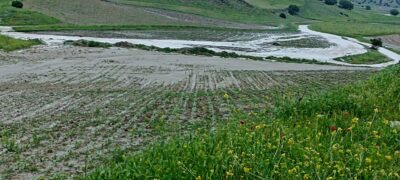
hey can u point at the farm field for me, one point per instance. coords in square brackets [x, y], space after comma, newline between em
[199, 89]
[74, 107]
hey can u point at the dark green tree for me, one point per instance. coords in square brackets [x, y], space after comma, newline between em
[346, 4]
[394, 12]
[293, 10]
[17, 4]
[330, 2]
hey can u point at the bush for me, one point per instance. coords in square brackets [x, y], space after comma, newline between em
[377, 42]
[330, 2]
[17, 4]
[293, 10]
[394, 12]
[345, 4]
[282, 15]
[368, 7]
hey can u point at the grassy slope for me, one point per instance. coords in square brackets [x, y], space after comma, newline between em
[14, 16]
[240, 12]
[344, 133]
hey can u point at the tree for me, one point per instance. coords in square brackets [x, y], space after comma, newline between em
[17, 4]
[293, 10]
[330, 2]
[394, 12]
[368, 7]
[346, 4]
[376, 43]
[282, 15]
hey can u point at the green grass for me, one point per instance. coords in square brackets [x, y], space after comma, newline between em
[340, 134]
[356, 29]
[14, 16]
[371, 57]
[10, 44]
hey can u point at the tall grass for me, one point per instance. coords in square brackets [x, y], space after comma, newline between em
[341, 134]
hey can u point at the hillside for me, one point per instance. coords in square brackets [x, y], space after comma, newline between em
[379, 3]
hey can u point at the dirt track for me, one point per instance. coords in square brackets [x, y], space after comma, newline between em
[66, 108]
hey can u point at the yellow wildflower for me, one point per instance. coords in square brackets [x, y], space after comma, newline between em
[229, 173]
[246, 169]
[292, 171]
[368, 160]
[290, 141]
[389, 158]
[330, 178]
[355, 120]
[306, 177]
[230, 152]
[385, 121]
[226, 96]
[198, 178]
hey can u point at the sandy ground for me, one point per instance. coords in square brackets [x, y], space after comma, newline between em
[65, 109]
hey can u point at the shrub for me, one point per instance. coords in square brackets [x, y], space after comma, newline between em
[282, 15]
[293, 10]
[330, 2]
[376, 42]
[345, 4]
[17, 4]
[394, 12]
[368, 7]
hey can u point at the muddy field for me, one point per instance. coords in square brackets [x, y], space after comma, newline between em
[63, 110]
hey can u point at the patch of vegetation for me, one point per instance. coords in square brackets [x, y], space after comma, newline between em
[305, 43]
[394, 12]
[356, 30]
[346, 4]
[376, 43]
[341, 134]
[17, 4]
[371, 57]
[293, 10]
[85, 43]
[282, 15]
[10, 44]
[293, 60]
[10, 15]
[330, 2]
